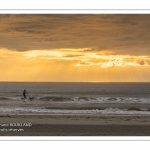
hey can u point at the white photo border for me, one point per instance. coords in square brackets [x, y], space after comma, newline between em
[75, 138]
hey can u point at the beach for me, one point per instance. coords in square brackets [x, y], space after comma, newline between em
[74, 125]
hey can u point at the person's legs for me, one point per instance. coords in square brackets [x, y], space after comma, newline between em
[24, 95]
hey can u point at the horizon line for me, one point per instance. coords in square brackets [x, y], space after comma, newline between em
[84, 81]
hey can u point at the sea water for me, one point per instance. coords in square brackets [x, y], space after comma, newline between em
[75, 98]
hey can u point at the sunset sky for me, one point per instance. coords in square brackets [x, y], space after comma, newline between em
[75, 48]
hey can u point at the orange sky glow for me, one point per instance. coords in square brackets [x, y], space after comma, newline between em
[75, 48]
[54, 66]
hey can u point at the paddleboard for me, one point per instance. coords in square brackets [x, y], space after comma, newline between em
[28, 98]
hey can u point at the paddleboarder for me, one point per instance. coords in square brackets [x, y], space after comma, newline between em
[24, 93]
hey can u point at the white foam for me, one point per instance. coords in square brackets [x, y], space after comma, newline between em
[59, 111]
[89, 99]
[111, 99]
[12, 98]
[119, 111]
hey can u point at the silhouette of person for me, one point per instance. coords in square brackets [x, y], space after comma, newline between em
[24, 93]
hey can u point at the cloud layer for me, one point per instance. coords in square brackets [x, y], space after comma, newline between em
[76, 57]
[115, 63]
[121, 34]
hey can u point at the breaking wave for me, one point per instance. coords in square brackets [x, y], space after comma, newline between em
[83, 99]
[59, 111]
[10, 98]
[96, 99]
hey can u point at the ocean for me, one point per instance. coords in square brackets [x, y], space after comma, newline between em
[75, 98]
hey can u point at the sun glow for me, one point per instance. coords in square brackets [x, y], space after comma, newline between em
[82, 57]
[37, 53]
[74, 65]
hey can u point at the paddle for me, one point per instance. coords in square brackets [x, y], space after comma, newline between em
[29, 96]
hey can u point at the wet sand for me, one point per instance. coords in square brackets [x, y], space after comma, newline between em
[74, 125]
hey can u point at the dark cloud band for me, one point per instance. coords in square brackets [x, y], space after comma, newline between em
[123, 34]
